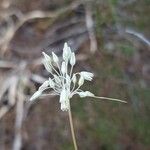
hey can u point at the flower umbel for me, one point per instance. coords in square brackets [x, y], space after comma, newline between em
[64, 82]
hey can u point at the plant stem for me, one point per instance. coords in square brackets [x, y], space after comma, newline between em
[72, 128]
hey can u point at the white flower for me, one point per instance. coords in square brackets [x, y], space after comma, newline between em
[81, 81]
[66, 52]
[72, 59]
[36, 95]
[63, 81]
[74, 79]
[47, 57]
[87, 75]
[44, 86]
[63, 67]
[85, 94]
[55, 58]
[47, 66]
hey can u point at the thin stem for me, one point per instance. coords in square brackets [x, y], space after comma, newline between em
[72, 128]
[55, 70]
[59, 68]
[73, 92]
[71, 71]
[111, 99]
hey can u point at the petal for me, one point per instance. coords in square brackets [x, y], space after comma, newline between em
[36, 95]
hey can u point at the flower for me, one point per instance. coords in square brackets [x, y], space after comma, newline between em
[55, 57]
[63, 81]
[85, 94]
[87, 75]
[66, 52]
[72, 59]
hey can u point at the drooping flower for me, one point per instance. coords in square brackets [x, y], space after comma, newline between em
[64, 82]
[87, 75]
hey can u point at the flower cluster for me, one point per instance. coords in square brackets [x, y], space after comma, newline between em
[64, 82]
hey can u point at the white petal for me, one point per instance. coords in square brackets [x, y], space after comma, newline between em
[89, 94]
[72, 59]
[47, 66]
[66, 52]
[47, 57]
[63, 67]
[55, 57]
[81, 81]
[74, 79]
[44, 85]
[87, 75]
[82, 94]
[36, 95]
[85, 94]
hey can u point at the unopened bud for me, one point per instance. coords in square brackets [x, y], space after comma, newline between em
[72, 59]
[55, 57]
[81, 81]
[36, 95]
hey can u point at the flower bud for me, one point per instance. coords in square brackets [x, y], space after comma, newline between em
[87, 75]
[72, 59]
[85, 94]
[55, 57]
[81, 81]
[89, 94]
[47, 57]
[44, 86]
[47, 66]
[63, 67]
[74, 79]
[66, 52]
[36, 95]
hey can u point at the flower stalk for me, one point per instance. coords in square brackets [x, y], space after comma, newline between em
[72, 128]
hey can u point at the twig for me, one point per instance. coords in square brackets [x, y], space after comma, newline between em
[19, 119]
[6, 64]
[90, 28]
[3, 111]
[31, 15]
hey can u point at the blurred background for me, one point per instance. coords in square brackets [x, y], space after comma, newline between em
[110, 39]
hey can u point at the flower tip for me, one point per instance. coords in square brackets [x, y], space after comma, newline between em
[44, 54]
[46, 57]
[65, 44]
[55, 57]
[35, 95]
[72, 59]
